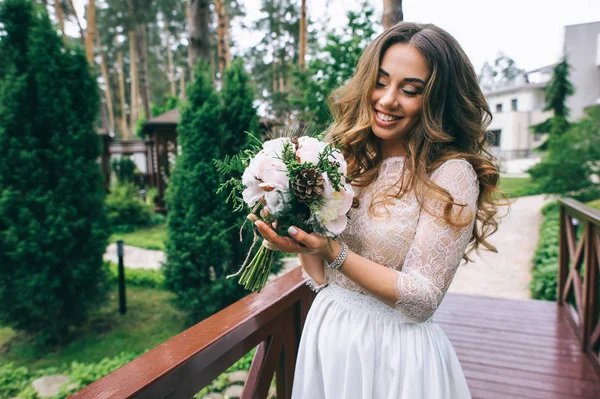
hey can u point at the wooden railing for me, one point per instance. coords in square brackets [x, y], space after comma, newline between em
[182, 366]
[579, 271]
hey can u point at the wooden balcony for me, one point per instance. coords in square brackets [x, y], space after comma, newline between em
[507, 348]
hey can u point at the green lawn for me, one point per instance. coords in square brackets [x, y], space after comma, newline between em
[518, 186]
[150, 320]
[150, 238]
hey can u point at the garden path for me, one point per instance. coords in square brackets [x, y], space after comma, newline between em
[136, 258]
[504, 274]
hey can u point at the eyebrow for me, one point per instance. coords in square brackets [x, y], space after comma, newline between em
[412, 80]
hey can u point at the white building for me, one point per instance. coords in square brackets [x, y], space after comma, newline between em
[515, 107]
[582, 48]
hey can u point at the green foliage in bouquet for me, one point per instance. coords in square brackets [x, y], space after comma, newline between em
[53, 229]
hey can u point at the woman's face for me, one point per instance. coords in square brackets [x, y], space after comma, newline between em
[397, 98]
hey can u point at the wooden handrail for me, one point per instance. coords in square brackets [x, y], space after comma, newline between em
[574, 253]
[182, 366]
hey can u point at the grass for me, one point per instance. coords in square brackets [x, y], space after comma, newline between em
[518, 186]
[150, 320]
[149, 238]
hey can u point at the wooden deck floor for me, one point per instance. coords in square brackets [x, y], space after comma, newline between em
[517, 348]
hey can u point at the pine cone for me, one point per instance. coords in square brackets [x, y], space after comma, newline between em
[308, 184]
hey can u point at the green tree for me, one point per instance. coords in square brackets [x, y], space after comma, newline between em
[331, 67]
[197, 251]
[557, 91]
[53, 229]
[572, 160]
[238, 117]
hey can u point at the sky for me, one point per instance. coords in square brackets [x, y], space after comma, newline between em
[529, 31]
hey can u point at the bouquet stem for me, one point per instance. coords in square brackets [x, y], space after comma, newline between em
[255, 275]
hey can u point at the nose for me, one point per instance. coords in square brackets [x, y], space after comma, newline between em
[389, 99]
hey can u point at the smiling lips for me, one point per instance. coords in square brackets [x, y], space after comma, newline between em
[385, 119]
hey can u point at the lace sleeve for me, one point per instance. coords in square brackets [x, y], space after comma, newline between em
[312, 283]
[438, 247]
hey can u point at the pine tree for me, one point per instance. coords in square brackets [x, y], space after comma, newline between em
[53, 229]
[238, 117]
[557, 91]
[331, 67]
[197, 247]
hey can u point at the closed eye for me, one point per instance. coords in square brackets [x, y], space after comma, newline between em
[410, 93]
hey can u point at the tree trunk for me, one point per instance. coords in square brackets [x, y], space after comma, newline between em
[133, 101]
[124, 129]
[60, 15]
[222, 36]
[182, 84]
[188, 23]
[77, 19]
[170, 71]
[392, 13]
[199, 46]
[141, 43]
[302, 44]
[107, 93]
[91, 31]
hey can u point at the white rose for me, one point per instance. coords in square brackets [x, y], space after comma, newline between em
[264, 174]
[309, 149]
[337, 204]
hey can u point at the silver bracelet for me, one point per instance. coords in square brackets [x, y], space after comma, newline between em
[340, 258]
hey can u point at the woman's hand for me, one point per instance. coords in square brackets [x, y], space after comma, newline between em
[298, 242]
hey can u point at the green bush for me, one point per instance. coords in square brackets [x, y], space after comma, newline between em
[197, 254]
[124, 169]
[147, 278]
[545, 260]
[125, 210]
[16, 381]
[53, 228]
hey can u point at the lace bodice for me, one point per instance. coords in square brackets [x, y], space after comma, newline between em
[423, 249]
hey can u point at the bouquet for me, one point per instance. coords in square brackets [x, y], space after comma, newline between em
[302, 182]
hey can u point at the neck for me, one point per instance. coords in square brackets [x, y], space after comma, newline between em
[389, 150]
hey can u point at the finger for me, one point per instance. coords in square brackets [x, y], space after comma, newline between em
[303, 237]
[285, 244]
[252, 217]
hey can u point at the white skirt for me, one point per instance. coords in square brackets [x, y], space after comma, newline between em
[354, 346]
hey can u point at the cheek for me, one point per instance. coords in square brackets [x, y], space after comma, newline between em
[412, 107]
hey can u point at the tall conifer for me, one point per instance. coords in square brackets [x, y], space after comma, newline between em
[53, 229]
[198, 251]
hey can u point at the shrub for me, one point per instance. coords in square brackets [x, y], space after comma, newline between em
[124, 169]
[53, 229]
[147, 278]
[197, 254]
[16, 381]
[125, 210]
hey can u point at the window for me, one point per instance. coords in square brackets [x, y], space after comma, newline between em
[498, 107]
[493, 137]
[514, 104]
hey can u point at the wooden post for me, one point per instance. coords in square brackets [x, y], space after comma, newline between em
[563, 256]
[590, 299]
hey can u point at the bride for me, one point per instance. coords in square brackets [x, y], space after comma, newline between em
[411, 124]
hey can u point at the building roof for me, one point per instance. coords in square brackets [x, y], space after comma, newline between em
[508, 89]
[168, 118]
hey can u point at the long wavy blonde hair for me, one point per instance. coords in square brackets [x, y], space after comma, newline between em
[452, 125]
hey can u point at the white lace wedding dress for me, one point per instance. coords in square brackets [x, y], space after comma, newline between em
[354, 346]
